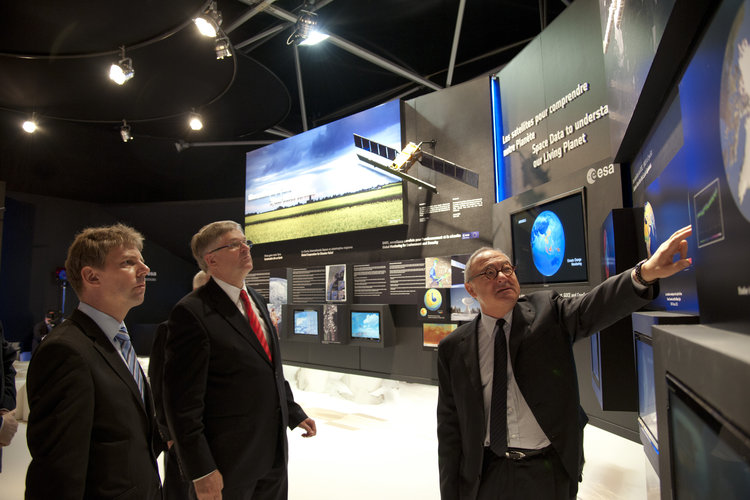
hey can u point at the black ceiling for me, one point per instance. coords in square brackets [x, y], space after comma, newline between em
[54, 58]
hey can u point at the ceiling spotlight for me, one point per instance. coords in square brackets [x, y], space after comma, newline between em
[222, 48]
[304, 28]
[314, 38]
[122, 71]
[195, 121]
[208, 23]
[30, 126]
[125, 132]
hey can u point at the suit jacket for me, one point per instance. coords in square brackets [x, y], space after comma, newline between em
[156, 378]
[89, 433]
[7, 374]
[174, 484]
[7, 378]
[543, 330]
[227, 405]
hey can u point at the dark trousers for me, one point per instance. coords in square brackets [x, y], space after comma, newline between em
[272, 486]
[541, 477]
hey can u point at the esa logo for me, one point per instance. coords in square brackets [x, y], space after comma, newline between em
[597, 173]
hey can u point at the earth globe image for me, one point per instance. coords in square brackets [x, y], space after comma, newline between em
[734, 109]
[649, 228]
[547, 243]
[433, 299]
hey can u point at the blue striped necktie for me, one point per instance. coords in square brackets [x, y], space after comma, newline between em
[129, 353]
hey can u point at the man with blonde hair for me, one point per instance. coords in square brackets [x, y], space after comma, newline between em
[91, 431]
[226, 399]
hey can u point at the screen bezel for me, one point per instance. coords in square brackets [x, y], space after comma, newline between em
[355, 310]
[708, 415]
[539, 206]
[303, 309]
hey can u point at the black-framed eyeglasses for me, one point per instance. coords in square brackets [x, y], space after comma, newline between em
[491, 272]
[232, 246]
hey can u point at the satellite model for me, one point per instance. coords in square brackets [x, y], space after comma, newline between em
[401, 162]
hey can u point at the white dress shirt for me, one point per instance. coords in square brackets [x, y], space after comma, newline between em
[234, 295]
[523, 429]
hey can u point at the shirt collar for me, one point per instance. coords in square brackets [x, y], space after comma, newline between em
[488, 322]
[232, 291]
[109, 325]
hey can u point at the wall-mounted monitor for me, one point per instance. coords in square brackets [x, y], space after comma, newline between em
[313, 184]
[710, 454]
[303, 322]
[371, 325]
[549, 240]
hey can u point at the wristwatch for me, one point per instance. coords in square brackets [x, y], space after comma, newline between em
[638, 276]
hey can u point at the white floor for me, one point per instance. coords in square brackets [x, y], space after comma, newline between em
[376, 440]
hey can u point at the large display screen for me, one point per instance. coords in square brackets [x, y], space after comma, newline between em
[549, 241]
[710, 455]
[313, 184]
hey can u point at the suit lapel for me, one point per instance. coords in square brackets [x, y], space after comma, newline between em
[523, 315]
[231, 313]
[264, 317]
[470, 354]
[110, 355]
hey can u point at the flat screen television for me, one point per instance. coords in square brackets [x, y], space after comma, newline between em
[371, 325]
[303, 322]
[365, 325]
[710, 455]
[549, 240]
[313, 184]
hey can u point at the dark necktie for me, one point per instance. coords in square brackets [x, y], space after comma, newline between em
[252, 318]
[499, 402]
[129, 353]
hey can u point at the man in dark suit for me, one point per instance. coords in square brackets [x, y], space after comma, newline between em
[175, 486]
[92, 431]
[43, 328]
[510, 425]
[8, 424]
[226, 400]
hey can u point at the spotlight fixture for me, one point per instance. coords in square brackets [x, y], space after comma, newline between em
[222, 48]
[314, 38]
[122, 71]
[30, 126]
[195, 121]
[208, 23]
[125, 132]
[305, 29]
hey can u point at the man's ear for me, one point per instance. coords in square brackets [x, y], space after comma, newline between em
[470, 289]
[209, 260]
[90, 276]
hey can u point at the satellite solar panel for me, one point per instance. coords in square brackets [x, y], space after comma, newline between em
[432, 162]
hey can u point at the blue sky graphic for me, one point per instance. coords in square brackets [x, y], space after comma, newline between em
[321, 162]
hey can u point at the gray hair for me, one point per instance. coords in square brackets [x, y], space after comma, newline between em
[470, 263]
[207, 236]
[200, 279]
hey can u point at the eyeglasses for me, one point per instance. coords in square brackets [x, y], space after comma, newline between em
[491, 273]
[232, 246]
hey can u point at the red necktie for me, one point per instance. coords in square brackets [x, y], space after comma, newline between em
[252, 318]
